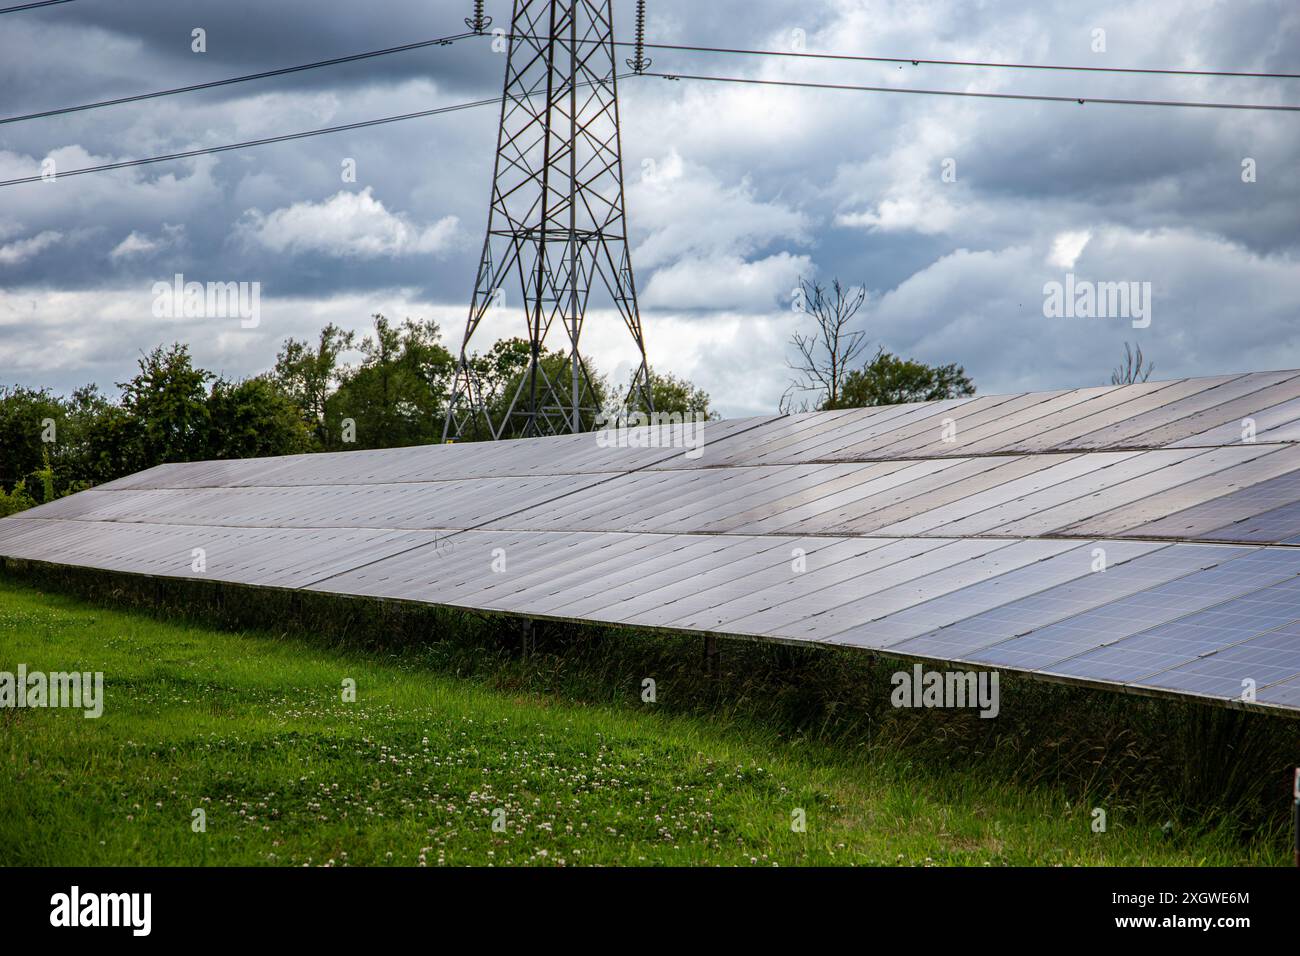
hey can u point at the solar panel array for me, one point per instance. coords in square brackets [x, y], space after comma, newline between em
[1140, 537]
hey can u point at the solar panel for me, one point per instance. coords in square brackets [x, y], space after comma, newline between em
[1139, 516]
[1119, 536]
[960, 637]
[1264, 661]
[1049, 576]
[1110, 623]
[1217, 395]
[1187, 637]
[1225, 414]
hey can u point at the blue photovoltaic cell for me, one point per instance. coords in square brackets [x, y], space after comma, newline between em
[1020, 583]
[1224, 511]
[1088, 592]
[1145, 609]
[1188, 637]
[833, 624]
[1286, 694]
[1270, 658]
[1267, 421]
[1280, 524]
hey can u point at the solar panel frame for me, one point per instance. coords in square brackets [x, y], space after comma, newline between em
[1189, 396]
[1100, 425]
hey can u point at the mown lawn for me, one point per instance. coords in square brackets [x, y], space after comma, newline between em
[252, 729]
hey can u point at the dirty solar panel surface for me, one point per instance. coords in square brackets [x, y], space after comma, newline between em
[1142, 537]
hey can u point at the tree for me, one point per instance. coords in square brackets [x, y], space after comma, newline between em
[826, 354]
[397, 396]
[677, 396]
[88, 450]
[168, 400]
[554, 366]
[254, 419]
[1135, 368]
[23, 416]
[889, 380]
[308, 376]
[15, 500]
[111, 446]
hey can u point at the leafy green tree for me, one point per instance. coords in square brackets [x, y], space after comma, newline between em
[672, 394]
[254, 419]
[23, 416]
[495, 371]
[15, 500]
[308, 375]
[168, 398]
[889, 380]
[46, 475]
[555, 367]
[398, 394]
[111, 445]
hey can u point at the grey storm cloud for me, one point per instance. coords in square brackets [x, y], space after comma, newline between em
[734, 192]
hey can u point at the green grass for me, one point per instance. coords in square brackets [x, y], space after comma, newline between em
[251, 728]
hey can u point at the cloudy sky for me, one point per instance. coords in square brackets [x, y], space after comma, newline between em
[734, 191]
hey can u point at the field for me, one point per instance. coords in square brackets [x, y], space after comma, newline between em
[462, 751]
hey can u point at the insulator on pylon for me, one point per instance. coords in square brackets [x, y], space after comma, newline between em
[478, 22]
[640, 63]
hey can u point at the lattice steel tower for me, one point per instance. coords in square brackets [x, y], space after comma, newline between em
[557, 229]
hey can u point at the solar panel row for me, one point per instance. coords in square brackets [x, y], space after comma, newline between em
[1126, 536]
[1226, 494]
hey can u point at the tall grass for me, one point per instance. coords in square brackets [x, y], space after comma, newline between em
[1203, 769]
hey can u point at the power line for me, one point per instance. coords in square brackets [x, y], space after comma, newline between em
[448, 40]
[440, 41]
[920, 61]
[1081, 100]
[207, 150]
[917, 61]
[189, 154]
[32, 6]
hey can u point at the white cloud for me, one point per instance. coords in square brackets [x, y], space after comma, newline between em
[133, 245]
[726, 282]
[23, 249]
[688, 210]
[347, 225]
[905, 213]
[1067, 247]
[916, 187]
[984, 309]
[139, 244]
[706, 237]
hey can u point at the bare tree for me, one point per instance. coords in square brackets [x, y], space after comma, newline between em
[826, 354]
[1135, 368]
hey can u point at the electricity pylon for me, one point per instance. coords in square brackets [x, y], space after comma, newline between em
[557, 228]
